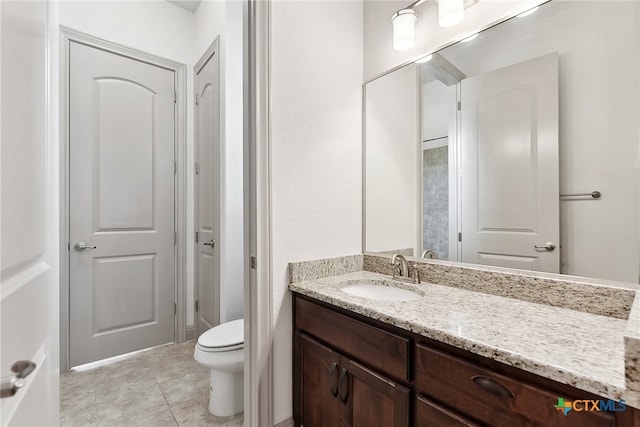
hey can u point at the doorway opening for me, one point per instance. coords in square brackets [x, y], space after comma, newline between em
[123, 205]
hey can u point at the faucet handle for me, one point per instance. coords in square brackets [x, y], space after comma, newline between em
[414, 274]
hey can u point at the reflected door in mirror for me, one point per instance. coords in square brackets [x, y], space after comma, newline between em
[509, 145]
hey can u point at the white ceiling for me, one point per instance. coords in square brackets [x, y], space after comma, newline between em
[190, 5]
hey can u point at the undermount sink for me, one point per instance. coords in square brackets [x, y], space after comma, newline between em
[381, 292]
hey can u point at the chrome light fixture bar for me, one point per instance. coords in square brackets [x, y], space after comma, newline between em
[450, 13]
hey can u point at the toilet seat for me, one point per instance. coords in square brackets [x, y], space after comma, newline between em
[227, 336]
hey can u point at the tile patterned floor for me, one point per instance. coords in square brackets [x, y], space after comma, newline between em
[161, 387]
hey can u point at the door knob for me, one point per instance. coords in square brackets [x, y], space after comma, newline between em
[210, 243]
[10, 385]
[549, 246]
[81, 246]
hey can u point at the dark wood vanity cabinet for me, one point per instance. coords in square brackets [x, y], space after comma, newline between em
[319, 369]
[347, 384]
[333, 390]
[352, 371]
[492, 398]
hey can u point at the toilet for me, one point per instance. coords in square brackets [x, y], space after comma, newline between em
[221, 349]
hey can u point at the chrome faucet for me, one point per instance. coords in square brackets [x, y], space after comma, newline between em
[401, 269]
[429, 253]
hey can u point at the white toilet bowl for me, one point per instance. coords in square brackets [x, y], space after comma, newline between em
[221, 349]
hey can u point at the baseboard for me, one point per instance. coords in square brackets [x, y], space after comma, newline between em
[286, 423]
[190, 333]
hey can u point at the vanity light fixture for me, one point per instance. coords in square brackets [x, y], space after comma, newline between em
[424, 59]
[404, 23]
[528, 12]
[468, 39]
[450, 13]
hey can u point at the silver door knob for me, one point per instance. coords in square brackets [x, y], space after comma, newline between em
[81, 246]
[210, 243]
[549, 246]
[10, 385]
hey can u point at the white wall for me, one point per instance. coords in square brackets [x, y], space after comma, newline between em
[392, 162]
[379, 55]
[316, 149]
[222, 18]
[436, 109]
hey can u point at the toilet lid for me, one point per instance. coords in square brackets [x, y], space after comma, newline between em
[225, 335]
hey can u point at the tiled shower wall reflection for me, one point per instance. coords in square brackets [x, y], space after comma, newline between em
[435, 188]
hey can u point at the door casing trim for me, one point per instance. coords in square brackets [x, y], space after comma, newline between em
[67, 35]
[212, 52]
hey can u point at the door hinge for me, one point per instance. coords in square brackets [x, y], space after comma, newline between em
[459, 237]
[197, 168]
[175, 96]
[197, 305]
[253, 263]
[175, 167]
[196, 237]
[459, 105]
[196, 98]
[175, 308]
[68, 246]
[175, 237]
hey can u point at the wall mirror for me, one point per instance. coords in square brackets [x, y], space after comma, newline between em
[517, 147]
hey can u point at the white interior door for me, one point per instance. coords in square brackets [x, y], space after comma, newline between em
[121, 174]
[207, 190]
[509, 144]
[29, 223]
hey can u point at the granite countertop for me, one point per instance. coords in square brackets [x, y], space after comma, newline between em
[584, 350]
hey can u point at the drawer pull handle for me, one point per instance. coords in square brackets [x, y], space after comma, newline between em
[344, 393]
[333, 379]
[492, 386]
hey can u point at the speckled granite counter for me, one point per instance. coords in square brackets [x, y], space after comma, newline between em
[582, 349]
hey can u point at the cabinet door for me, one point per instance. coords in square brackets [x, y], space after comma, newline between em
[371, 400]
[316, 383]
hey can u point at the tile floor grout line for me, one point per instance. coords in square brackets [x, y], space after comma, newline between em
[167, 402]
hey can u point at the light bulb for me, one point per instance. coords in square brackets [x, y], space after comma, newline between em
[470, 38]
[528, 12]
[403, 29]
[450, 12]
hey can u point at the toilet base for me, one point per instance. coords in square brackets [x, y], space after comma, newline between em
[226, 393]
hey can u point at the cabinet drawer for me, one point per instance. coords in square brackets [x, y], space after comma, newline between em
[492, 398]
[430, 414]
[381, 350]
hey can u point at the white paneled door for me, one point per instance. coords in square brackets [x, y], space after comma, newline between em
[121, 204]
[509, 140]
[29, 221]
[207, 189]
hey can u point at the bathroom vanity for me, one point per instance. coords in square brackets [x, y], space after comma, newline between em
[454, 357]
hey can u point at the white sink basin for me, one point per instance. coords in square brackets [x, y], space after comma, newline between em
[381, 292]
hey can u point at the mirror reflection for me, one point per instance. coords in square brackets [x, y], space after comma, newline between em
[515, 148]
